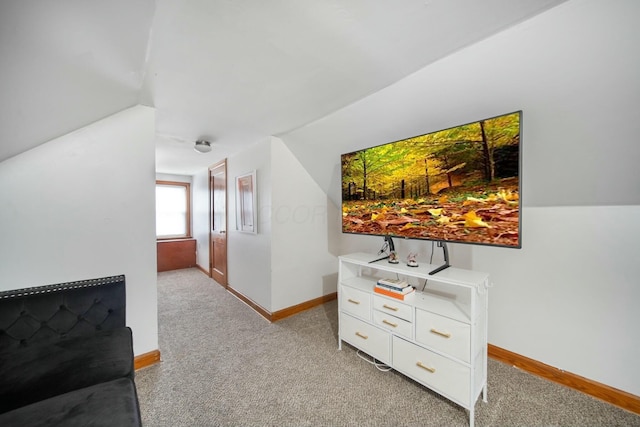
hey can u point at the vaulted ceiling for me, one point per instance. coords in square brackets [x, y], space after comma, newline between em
[229, 71]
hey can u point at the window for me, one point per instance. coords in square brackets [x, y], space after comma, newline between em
[173, 210]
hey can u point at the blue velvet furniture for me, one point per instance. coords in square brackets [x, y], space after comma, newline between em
[66, 356]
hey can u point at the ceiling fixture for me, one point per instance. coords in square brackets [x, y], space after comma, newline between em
[202, 146]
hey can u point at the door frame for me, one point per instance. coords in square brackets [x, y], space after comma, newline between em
[223, 163]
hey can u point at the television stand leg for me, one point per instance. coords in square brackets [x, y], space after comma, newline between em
[379, 259]
[446, 264]
[439, 269]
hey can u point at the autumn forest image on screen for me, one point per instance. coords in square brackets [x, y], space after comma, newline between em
[459, 185]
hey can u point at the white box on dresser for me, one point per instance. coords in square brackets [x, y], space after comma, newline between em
[436, 336]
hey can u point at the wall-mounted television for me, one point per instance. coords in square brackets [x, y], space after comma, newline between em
[460, 184]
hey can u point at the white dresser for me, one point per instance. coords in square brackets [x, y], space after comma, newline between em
[436, 336]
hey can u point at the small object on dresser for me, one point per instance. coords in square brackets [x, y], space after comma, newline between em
[396, 284]
[401, 295]
[411, 259]
[404, 290]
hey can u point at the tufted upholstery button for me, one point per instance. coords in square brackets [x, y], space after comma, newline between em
[110, 311]
[62, 307]
[80, 317]
[98, 328]
[43, 323]
[23, 342]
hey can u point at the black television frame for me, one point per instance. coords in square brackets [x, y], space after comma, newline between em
[511, 195]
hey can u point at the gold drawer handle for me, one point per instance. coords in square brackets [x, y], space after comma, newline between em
[362, 335]
[385, 321]
[442, 334]
[353, 301]
[426, 368]
[390, 307]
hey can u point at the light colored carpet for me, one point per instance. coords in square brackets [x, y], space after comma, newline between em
[225, 365]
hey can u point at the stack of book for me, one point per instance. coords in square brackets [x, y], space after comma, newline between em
[394, 288]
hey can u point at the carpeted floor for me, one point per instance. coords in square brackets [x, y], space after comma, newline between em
[224, 365]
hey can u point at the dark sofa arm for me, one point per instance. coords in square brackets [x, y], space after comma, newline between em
[36, 372]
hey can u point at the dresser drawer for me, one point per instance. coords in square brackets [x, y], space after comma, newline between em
[392, 323]
[444, 334]
[356, 302]
[368, 338]
[447, 377]
[398, 309]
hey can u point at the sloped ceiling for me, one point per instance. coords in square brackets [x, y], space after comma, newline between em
[66, 64]
[230, 71]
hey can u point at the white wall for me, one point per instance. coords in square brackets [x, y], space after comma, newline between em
[303, 267]
[83, 206]
[249, 255]
[288, 261]
[569, 297]
[200, 217]
[173, 177]
[566, 298]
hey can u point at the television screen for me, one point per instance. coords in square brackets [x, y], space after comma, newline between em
[460, 184]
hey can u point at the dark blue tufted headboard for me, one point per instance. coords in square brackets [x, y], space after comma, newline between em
[50, 313]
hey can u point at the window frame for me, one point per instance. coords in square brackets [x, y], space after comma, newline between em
[187, 187]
